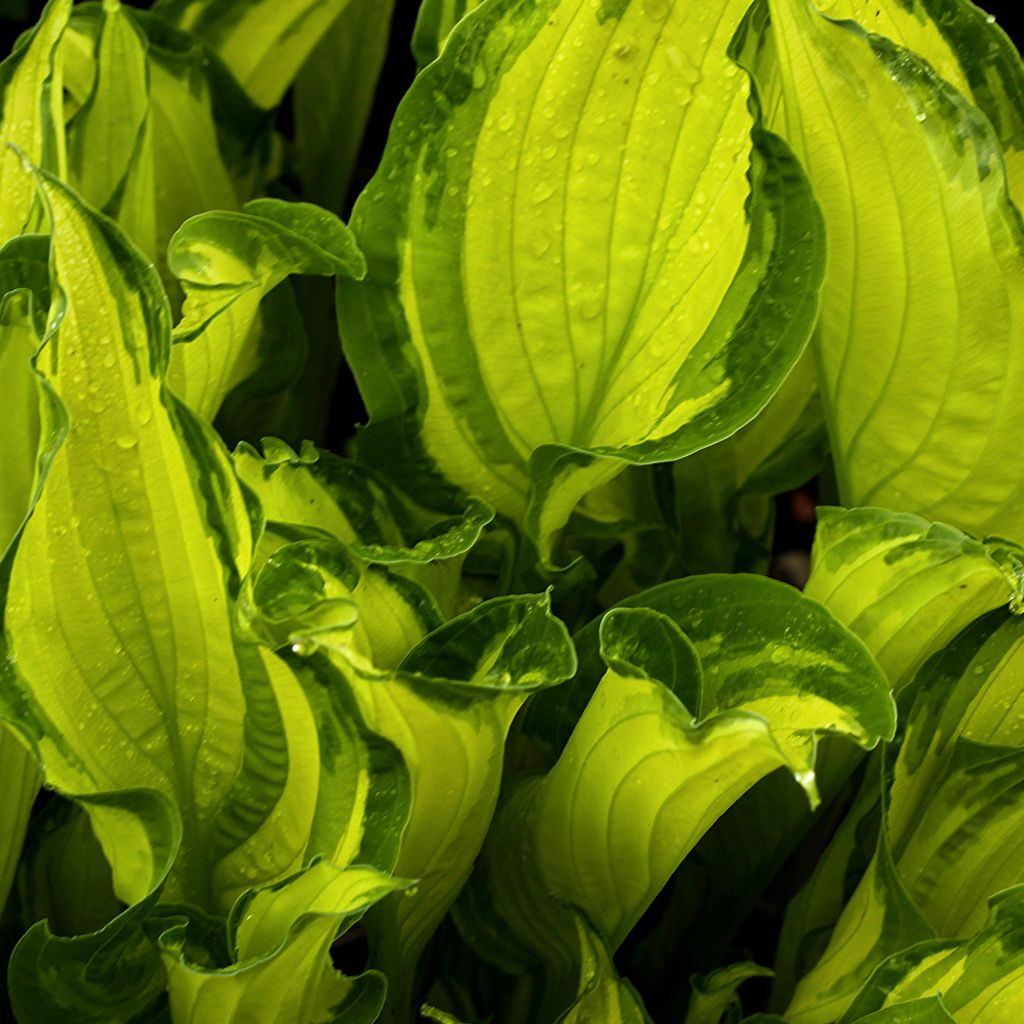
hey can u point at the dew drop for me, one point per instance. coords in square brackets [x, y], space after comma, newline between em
[126, 442]
[544, 191]
[539, 245]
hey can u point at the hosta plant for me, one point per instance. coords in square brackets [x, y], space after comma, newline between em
[495, 712]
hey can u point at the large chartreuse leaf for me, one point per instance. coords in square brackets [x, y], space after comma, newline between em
[583, 252]
[711, 684]
[227, 264]
[448, 710]
[263, 43]
[31, 116]
[143, 142]
[980, 981]
[122, 588]
[879, 918]
[924, 290]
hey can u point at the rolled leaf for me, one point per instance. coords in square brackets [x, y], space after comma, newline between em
[951, 813]
[641, 777]
[447, 708]
[113, 975]
[227, 263]
[318, 493]
[275, 936]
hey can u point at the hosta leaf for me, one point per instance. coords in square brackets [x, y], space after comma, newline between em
[931, 1010]
[951, 812]
[113, 975]
[434, 23]
[447, 708]
[264, 43]
[641, 778]
[583, 252]
[124, 581]
[277, 937]
[190, 174]
[969, 830]
[315, 593]
[905, 586]
[755, 638]
[602, 995]
[456, 693]
[332, 99]
[64, 877]
[323, 494]
[880, 917]
[143, 141]
[965, 47]
[958, 775]
[21, 779]
[980, 981]
[108, 141]
[31, 116]
[712, 996]
[227, 263]
[917, 424]
[363, 802]
[32, 425]
[320, 491]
